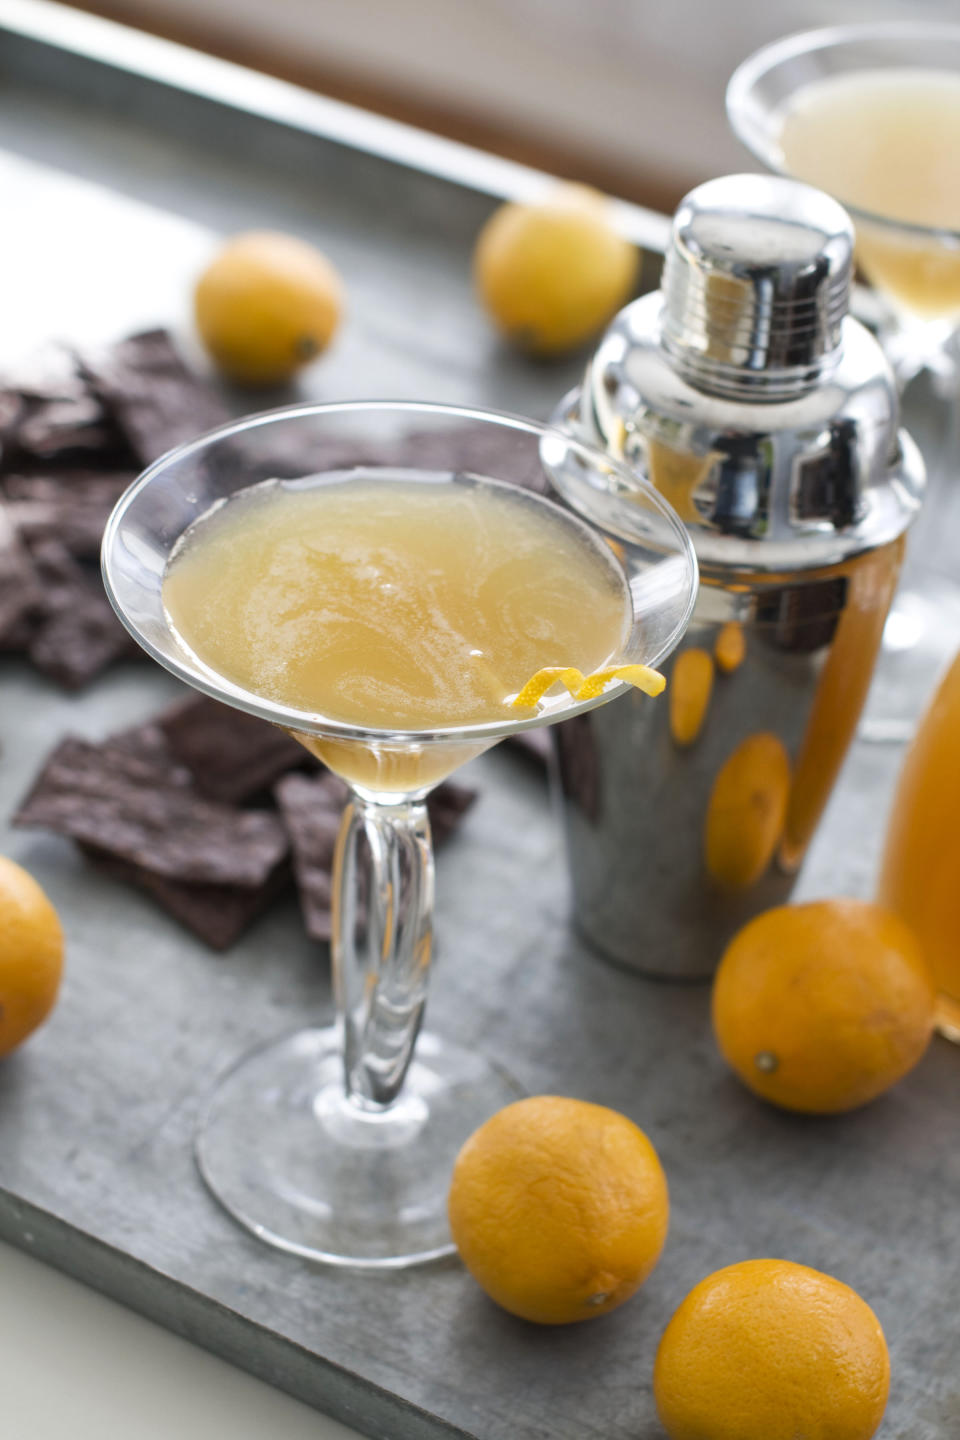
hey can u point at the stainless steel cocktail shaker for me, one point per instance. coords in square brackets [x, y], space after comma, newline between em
[768, 417]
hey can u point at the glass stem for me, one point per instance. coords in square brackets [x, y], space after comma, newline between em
[382, 941]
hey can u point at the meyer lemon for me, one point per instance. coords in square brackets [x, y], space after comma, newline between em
[821, 1007]
[267, 305]
[558, 1208]
[770, 1350]
[31, 955]
[551, 274]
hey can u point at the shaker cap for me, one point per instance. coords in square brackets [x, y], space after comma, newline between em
[756, 285]
[742, 389]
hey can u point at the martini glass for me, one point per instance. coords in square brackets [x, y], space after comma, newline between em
[337, 1142]
[914, 268]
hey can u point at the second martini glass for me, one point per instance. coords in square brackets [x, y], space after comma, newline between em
[337, 1143]
[866, 112]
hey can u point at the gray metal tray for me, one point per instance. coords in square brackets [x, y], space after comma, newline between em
[118, 161]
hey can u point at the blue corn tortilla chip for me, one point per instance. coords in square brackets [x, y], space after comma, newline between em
[137, 810]
[217, 914]
[149, 394]
[232, 756]
[20, 588]
[75, 634]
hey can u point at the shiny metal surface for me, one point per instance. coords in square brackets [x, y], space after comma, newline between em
[756, 284]
[687, 816]
[679, 831]
[762, 487]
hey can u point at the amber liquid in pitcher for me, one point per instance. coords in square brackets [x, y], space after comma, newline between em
[920, 877]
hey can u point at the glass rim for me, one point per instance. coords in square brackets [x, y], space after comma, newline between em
[740, 102]
[218, 688]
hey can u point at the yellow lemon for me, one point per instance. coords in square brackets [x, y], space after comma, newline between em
[551, 274]
[559, 1208]
[31, 955]
[267, 305]
[770, 1350]
[821, 1007]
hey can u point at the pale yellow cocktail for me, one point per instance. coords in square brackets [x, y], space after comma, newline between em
[394, 604]
[886, 142]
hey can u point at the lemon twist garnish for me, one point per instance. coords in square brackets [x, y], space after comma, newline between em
[586, 687]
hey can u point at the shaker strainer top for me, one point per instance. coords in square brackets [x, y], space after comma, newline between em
[745, 392]
[756, 284]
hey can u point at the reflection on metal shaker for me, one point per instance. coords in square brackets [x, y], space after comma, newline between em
[768, 418]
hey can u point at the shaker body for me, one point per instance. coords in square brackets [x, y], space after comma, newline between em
[768, 417]
[678, 831]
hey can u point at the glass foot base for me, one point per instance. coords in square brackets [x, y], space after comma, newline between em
[302, 1168]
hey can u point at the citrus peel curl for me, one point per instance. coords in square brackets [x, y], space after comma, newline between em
[586, 687]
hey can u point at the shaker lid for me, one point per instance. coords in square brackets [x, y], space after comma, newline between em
[746, 394]
[756, 284]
